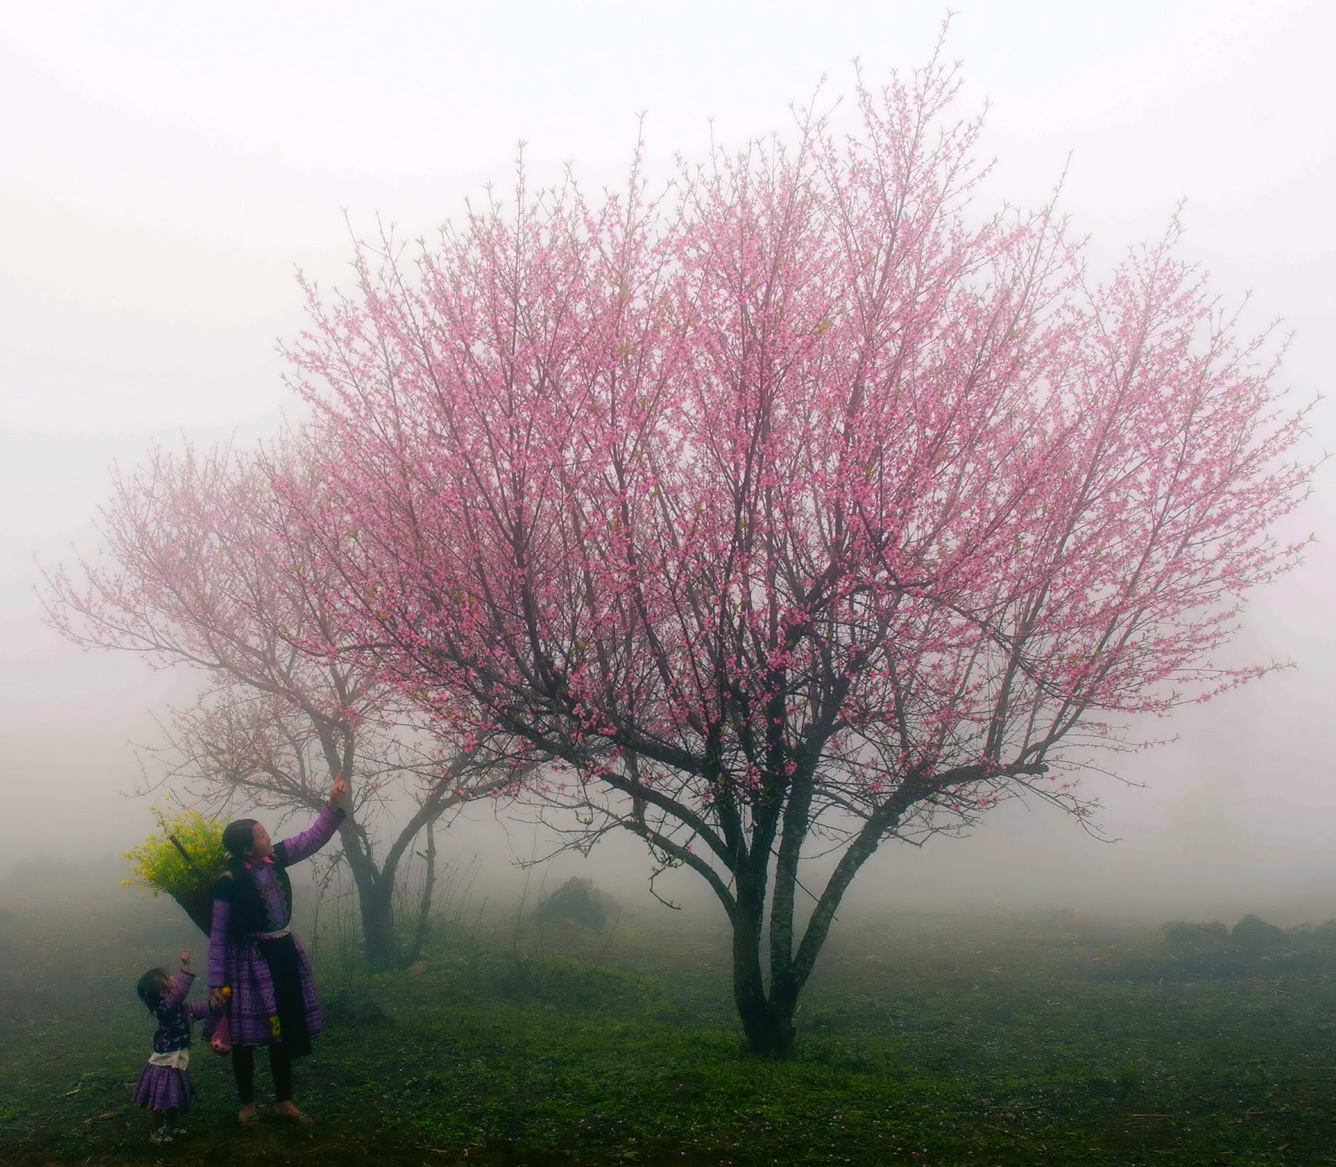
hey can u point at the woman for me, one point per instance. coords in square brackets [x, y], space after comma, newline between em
[253, 953]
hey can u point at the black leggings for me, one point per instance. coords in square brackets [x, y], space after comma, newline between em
[243, 1069]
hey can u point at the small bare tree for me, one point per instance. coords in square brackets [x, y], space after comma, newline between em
[203, 567]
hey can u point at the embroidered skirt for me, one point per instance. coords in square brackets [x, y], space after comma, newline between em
[164, 1088]
[273, 994]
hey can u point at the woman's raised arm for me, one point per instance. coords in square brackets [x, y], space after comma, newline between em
[320, 832]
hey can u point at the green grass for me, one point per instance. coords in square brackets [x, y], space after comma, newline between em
[947, 1042]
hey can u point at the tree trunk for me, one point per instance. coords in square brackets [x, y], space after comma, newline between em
[375, 898]
[382, 948]
[769, 1033]
[768, 1027]
[767, 1016]
[424, 905]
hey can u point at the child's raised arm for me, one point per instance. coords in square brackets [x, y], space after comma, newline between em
[184, 979]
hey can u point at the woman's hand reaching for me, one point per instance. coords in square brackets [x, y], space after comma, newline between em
[338, 792]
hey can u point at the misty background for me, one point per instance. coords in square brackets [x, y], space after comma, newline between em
[166, 168]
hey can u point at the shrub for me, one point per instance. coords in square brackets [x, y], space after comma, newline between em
[1254, 934]
[1185, 934]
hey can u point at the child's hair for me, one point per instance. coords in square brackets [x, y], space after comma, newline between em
[150, 987]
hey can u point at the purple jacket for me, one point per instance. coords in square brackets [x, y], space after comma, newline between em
[287, 852]
[174, 1015]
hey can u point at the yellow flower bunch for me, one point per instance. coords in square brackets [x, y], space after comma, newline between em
[157, 863]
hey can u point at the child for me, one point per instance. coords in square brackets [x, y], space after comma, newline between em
[165, 1086]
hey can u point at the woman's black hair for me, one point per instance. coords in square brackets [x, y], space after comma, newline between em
[150, 987]
[239, 837]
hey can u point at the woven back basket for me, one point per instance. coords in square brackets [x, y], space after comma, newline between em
[198, 900]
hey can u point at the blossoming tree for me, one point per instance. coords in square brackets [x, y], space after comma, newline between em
[798, 508]
[203, 567]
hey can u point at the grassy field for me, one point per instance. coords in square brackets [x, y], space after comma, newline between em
[936, 1041]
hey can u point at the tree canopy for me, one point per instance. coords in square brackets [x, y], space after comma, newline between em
[797, 506]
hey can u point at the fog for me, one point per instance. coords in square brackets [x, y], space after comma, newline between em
[170, 166]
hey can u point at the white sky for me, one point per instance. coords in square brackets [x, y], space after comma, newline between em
[165, 166]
